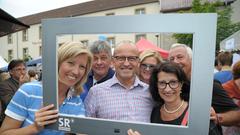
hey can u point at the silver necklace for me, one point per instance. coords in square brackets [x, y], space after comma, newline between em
[173, 111]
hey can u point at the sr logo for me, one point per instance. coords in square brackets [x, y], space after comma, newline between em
[64, 124]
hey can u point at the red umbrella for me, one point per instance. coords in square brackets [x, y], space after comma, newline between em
[144, 44]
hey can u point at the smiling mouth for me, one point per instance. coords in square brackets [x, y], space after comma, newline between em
[126, 68]
[168, 94]
[71, 77]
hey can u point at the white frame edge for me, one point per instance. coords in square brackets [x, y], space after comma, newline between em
[203, 26]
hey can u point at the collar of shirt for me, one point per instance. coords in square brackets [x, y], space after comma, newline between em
[109, 75]
[70, 93]
[90, 74]
[226, 68]
[15, 80]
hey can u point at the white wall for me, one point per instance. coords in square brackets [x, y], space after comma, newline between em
[33, 44]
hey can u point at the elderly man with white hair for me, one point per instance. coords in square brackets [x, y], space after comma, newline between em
[228, 113]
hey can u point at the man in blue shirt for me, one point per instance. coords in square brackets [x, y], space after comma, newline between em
[225, 60]
[101, 68]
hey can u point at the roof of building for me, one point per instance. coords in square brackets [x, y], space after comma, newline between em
[81, 9]
[9, 24]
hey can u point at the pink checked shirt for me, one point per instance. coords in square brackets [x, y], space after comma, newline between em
[111, 100]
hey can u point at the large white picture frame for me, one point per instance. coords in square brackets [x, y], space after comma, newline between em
[203, 27]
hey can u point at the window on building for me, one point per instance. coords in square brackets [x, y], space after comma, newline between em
[139, 36]
[25, 53]
[10, 40]
[109, 14]
[10, 55]
[40, 50]
[25, 35]
[140, 11]
[40, 32]
[85, 42]
[111, 41]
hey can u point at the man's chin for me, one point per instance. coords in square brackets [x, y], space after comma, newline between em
[100, 72]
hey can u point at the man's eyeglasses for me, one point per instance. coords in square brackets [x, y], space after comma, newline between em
[124, 58]
[173, 84]
[147, 66]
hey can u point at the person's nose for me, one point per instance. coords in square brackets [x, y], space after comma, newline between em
[98, 61]
[175, 60]
[148, 68]
[75, 70]
[168, 88]
[23, 72]
[126, 62]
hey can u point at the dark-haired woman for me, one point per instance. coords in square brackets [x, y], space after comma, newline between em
[169, 88]
[166, 86]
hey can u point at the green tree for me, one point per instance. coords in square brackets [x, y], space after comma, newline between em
[27, 58]
[225, 27]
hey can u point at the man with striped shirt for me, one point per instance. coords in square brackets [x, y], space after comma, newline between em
[124, 96]
[27, 101]
[26, 114]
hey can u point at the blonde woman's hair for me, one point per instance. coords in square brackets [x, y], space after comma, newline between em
[71, 50]
[150, 53]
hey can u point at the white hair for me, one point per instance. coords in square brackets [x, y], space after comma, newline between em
[188, 49]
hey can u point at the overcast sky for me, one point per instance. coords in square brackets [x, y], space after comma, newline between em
[19, 8]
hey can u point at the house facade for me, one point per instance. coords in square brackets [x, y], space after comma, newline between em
[29, 42]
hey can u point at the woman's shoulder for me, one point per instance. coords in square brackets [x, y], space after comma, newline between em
[155, 115]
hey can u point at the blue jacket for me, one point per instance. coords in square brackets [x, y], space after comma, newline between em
[89, 82]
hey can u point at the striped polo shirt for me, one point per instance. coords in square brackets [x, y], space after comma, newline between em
[28, 99]
[111, 100]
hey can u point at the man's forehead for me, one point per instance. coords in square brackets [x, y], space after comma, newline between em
[128, 50]
[177, 51]
[19, 65]
[127, 53]
[102, 53]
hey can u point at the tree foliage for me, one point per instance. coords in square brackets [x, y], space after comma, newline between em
[225, 27]
[27, 58]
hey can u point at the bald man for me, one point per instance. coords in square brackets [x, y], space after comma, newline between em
[124, 96]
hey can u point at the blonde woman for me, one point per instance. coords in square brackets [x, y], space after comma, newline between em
[148, 60]
[24, 114]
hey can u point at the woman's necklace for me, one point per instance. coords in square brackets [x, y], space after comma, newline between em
[173, 111]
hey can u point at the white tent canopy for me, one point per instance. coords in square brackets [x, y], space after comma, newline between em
[3, 63]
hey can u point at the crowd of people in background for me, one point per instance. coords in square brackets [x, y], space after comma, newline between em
[228, 75]
[127, 85]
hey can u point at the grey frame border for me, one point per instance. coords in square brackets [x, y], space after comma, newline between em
[203, 26]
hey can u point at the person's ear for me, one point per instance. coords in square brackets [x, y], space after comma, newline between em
[10, 72]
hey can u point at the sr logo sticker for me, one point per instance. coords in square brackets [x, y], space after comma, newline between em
[64, 124]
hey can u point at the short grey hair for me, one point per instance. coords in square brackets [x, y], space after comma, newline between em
[188, 49]
[101, 46]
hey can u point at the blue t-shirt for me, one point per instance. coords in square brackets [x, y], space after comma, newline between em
[28, 99]
[223, 76]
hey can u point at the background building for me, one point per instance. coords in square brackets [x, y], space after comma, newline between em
[232, 43]
[28, 43]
